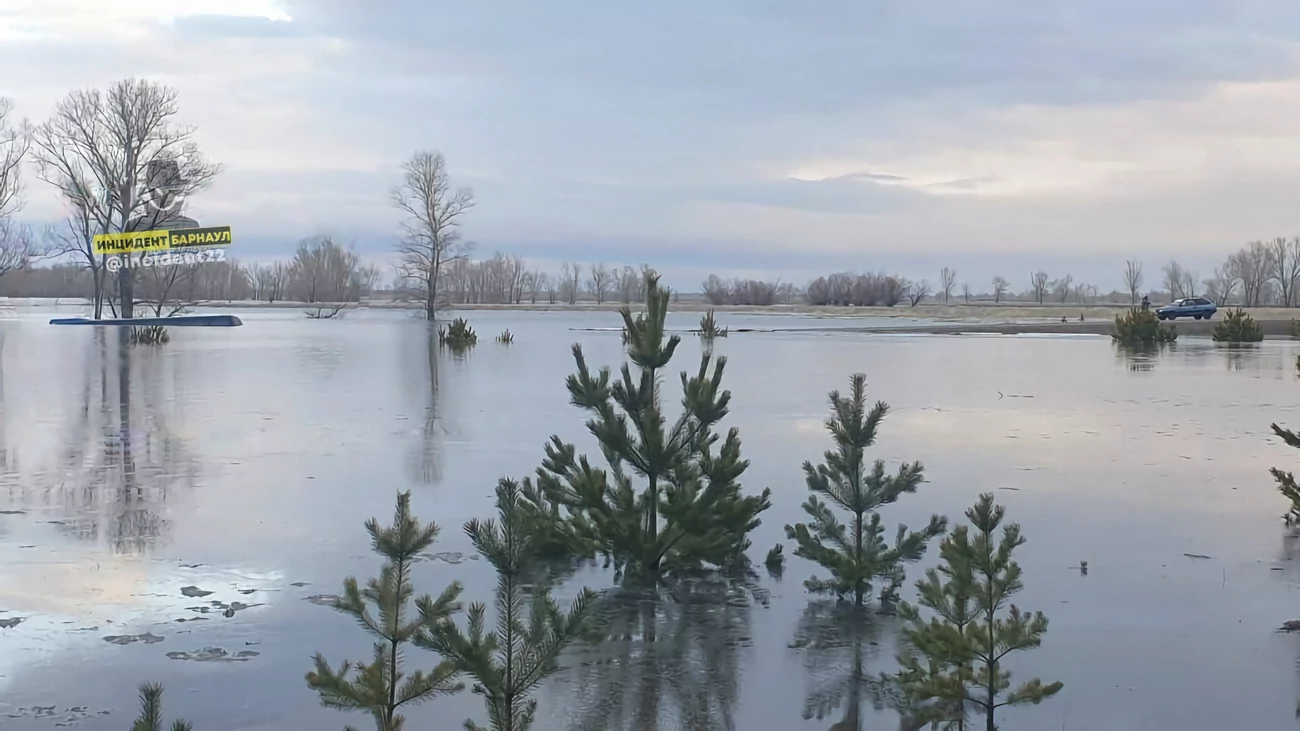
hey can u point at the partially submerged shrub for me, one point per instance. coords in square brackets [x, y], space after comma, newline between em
[709, 327]
[458, 334]
[1237, 326]
[149, 335]
[1142, 327]
[505, 338]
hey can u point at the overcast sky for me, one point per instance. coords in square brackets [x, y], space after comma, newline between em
[737, 135]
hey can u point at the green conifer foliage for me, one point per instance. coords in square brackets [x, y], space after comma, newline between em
[1286, 482]
[954, 660]
[856, 553]
[688, 512]
[382, 686]
[509, 662]
[150, 718]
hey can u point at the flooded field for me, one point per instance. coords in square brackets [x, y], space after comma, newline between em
[171, 516]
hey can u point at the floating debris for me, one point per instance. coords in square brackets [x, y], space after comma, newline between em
[247, 591]
[1196, 555]
[451, 557]
[228, 610]
[1291, 625]
[214, 654]
[300, 584]
[11, 622]
[192, 565]
[67, 717]
[13, 512]
[148, 638]
[324, 600]
[191, 619]
[194, 591]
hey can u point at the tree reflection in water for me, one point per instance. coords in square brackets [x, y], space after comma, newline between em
[836, 641]
[426, 463]
[119, 460]
[667, 661]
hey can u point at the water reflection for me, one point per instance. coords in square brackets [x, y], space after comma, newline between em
[668, 662]
[837, 640]
[119, 459]
[426, 462]
[1141, 358]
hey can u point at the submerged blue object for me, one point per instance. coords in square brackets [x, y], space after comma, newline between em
[180, 321]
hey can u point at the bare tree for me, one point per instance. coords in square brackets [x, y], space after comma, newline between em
[1133, 279]
[168, 289]
[1220, 288]
[1000, 285]
[1188, 285]
[570, 281]
[325, 271]
[1061, 288]
[965, 292]
[1038, 283]
[15, 140]
[1174, 278]
[280, 274]
[785, 292]
[917, 291]
[554, 286]
[432, 228]
[947, 280]
[538, 281]
[1285, 268]
[598, 282]
[121, 162]
[1252, 264]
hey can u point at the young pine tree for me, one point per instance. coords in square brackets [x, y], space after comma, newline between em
[381, 687]
[953, 663]
[150, 718]
[508, 662]
[1286, 482]
[688, 512]
[856, 553]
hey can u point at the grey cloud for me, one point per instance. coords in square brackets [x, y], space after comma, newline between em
[770, 58]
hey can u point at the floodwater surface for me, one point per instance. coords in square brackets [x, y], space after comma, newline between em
[174, 515]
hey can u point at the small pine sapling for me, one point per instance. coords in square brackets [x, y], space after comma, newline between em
[670, 501]
[953, 663]
[856, 553]
[510, 661]
[150, 718]
[382, 686]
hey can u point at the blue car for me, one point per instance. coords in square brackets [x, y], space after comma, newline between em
[1194, 307]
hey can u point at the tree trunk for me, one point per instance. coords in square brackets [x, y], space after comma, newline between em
[125, 292]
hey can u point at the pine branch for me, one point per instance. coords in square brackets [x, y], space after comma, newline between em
[953, 659]
[381, 686]
[150, 718]
[855, 551]
[510, 661]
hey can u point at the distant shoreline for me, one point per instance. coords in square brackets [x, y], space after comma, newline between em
[1018, 318]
